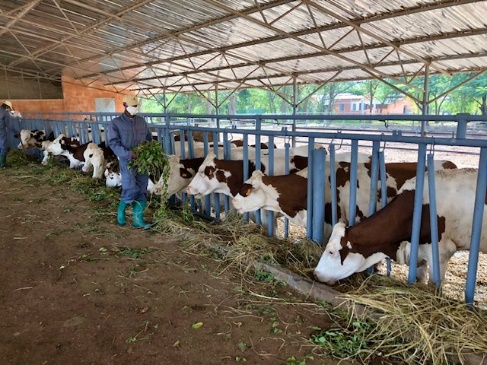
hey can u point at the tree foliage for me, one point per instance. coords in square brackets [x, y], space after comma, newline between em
[445, 94]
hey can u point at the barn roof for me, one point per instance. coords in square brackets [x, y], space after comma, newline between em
[192, 45]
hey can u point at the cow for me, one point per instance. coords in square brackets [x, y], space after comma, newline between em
[98, 156]
[219, 176]
[32, 139]
[240, 143]
[181, 171]
[288, 194]
[60, 142]
[94, 158]
[75, 154]
[113, 177]
[387, 233]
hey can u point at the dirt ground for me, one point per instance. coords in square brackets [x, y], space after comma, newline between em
[78, 289]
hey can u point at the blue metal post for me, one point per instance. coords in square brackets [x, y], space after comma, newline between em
[286, 171]
[270, 214]
[433, 220]
[383, 190]
[318, 213]
[309, 220]
[374, 184]
[462, 125]
[207, 197]
[476, 227]
[374, 178]
[227, 156]
[245, 165]
[353, 184]
[418, 207]
[182, 143]
[257, 160]
[333, 185]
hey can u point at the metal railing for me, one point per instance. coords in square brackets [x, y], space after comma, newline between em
[463, 131]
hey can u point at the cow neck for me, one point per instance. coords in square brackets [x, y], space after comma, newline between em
[384, 230]
[192, 163]
[292, 190]
[235, 170]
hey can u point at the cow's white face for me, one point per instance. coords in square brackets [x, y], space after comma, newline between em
[339, 262]
[330, 268]
[205, 182]
[27, 139]
[252, 195]
[56, 146]
[113, 179]
[93, 156]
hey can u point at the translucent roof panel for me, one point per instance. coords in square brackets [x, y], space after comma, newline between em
[151, 46]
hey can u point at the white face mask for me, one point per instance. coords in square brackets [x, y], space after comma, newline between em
[133, 110]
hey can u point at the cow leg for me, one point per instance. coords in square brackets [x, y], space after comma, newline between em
[446, 248]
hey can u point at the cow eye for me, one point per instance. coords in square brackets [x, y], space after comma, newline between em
[331, 253]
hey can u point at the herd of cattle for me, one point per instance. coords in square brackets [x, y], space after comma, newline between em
[387, 233]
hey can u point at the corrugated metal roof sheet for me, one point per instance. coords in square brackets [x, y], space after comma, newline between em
[179, 45]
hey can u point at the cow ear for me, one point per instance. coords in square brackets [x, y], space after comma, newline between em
[249, 190]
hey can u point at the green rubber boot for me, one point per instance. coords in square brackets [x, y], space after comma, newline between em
[3, 161]
[138, 218]
[121, 213]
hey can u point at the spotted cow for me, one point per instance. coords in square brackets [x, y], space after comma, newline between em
[387, 233]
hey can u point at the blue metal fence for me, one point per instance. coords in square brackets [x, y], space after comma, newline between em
[467, 132]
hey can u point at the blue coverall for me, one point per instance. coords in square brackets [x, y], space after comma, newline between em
[5, 126]
[125, 133]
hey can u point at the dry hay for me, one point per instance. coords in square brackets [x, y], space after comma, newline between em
[410, 323]
[419, 326]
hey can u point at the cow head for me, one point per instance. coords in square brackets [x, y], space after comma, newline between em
[209, 179]
[340, 258]
[56, 146]
[254, 194]
[113, 177]
[93, 156]
[178, 179]
[29, 139]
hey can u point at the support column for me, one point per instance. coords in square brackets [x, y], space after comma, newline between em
[425, 99]
[293, 143]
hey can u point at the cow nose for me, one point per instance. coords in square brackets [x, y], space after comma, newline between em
[319, 278]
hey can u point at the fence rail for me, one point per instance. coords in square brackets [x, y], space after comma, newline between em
[461, 130]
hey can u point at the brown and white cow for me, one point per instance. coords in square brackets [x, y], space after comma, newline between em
[288, 194]
[387, 233]
[219, 176]
[181, 172]
[31, 139]
[113, 177]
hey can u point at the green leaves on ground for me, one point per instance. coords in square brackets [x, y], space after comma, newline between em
[343, 343]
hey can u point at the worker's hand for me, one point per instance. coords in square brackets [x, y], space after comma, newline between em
[134, 155]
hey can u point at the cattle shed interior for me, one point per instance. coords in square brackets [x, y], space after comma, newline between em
[59, 59]
[150, 47]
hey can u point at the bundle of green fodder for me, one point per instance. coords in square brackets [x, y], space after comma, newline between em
[419, 326]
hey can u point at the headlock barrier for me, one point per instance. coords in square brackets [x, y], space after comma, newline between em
[423, 134]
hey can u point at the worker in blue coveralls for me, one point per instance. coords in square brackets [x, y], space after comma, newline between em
[5, 125]
[124, 133]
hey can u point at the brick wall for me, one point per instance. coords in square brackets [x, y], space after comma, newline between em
[38, 105]
[77, 98]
